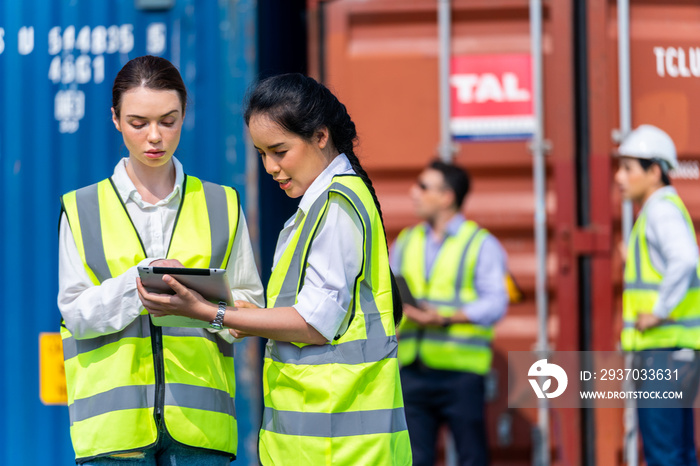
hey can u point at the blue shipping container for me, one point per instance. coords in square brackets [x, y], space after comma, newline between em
[58, 59]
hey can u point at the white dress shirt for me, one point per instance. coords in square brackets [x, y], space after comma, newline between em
[90, 311]
[335, 259]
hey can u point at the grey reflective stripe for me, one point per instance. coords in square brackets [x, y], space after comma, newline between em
[139, 328]
[638, 265]
[196, 397]
[439, 302]
[143, 397]
[349, 352]
[443, 336]
[446, 337]
[217, 207]
[457, 302]
[332, 425]
[638, 284]
[687, 323]
[224, 347]
[373, 321]
[290, 286]
[88, 205]
[695, 282]
[117, 399]
[408, 333]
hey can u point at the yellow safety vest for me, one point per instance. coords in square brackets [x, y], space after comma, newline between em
[338, 403]
[641, 292]
[121, 385]
[457, 347]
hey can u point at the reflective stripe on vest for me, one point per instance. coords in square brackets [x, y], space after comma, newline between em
[105, 393]
[341, 402]
[459, 347]
[642, 281]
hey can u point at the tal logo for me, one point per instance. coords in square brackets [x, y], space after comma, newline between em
[543, 369]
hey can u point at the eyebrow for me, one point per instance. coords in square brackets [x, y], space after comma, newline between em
[162, 116]
[273, 146]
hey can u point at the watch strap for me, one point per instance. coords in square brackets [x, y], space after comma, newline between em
[218, 322]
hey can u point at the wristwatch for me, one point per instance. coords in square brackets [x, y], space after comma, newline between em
[446, 321]
[218, 322]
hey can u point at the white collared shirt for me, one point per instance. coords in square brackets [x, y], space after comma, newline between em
[335, 258]
[90, 310]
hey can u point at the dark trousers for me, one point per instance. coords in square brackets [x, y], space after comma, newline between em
[433, 397]
[668, 433]
[668, 436]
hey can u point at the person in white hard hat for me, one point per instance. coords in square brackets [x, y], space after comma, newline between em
[661, 298]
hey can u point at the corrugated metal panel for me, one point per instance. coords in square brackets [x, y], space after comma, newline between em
[57, 63]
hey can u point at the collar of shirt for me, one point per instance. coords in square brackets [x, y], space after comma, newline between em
[128, 191]
[452, 227]
[658, 194]
[338, 166]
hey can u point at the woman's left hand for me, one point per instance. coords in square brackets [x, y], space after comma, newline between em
[185, 302]
[242, 305]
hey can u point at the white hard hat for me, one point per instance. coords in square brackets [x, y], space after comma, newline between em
[649, 142]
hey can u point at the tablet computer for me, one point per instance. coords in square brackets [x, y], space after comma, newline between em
[405, 292]
[212, 284]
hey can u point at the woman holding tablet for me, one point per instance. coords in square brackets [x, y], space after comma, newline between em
[140, 393]
[331, 381]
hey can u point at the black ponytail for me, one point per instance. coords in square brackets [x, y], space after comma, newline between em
[301, 105]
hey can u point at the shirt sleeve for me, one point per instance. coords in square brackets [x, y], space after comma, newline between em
[489, 282]
[669, 232]
[334, 262]
[393, 258]
[89, 310]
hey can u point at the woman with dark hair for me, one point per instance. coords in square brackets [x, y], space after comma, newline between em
[139, 393]
[331, 381]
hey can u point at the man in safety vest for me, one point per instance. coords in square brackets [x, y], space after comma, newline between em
[456, 271]
[661, 298]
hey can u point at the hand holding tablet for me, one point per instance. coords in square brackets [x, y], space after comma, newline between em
[212, 284]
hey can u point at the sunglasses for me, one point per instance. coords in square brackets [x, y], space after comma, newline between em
[424, 187]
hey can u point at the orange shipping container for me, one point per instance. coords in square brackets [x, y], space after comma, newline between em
[381, 58]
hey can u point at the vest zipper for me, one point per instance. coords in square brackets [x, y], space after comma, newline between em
[156, 332]
[157, 348]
